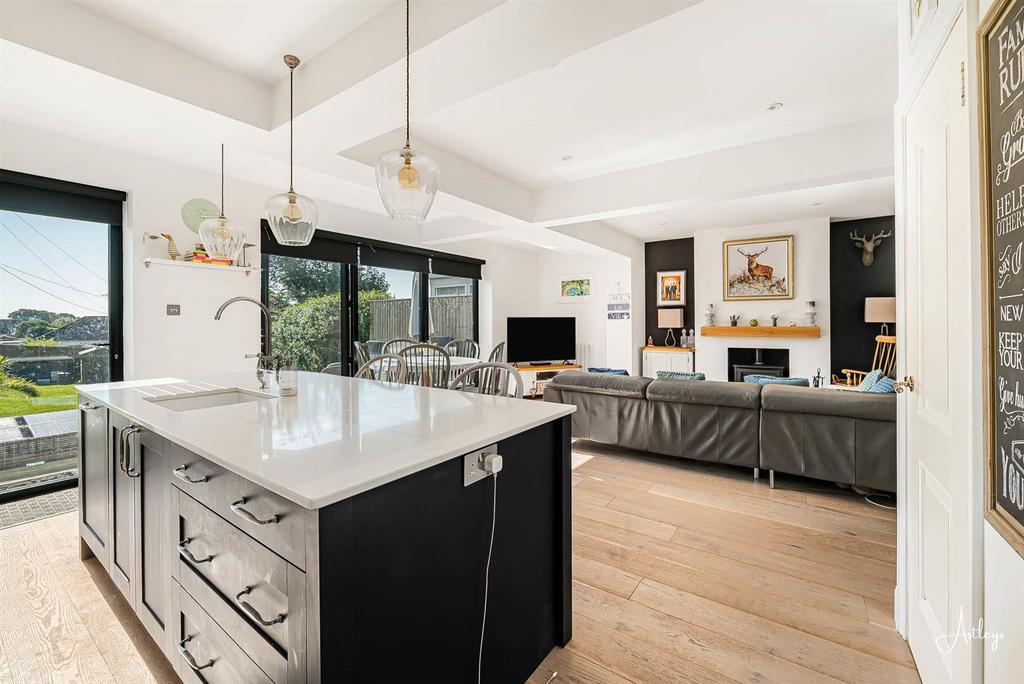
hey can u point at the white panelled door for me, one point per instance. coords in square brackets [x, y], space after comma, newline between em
[936, 294]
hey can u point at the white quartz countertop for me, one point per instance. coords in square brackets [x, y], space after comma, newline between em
[337, 438]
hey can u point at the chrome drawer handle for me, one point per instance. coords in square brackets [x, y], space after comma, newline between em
[249, 517]
[253, 613]
[183, 550]
[128, 465]
[188, 656]
[88, 407]
[179, 473]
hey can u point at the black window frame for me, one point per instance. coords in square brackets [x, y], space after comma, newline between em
[30, 194]
[352, 252]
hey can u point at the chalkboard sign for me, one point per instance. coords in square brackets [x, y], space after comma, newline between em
[1001, 81]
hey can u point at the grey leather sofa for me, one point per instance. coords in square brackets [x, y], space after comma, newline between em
[845, 437]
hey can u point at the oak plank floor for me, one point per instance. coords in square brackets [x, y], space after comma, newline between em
[682, 572]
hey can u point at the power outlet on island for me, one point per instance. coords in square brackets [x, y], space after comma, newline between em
[473, 465]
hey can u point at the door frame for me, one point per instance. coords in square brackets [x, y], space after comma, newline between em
[920, 60]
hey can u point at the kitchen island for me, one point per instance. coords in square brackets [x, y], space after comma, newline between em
[342, 534]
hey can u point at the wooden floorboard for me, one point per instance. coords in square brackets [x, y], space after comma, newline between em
[682, 572]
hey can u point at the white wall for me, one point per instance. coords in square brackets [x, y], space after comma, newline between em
[193, 343]
[811, 267]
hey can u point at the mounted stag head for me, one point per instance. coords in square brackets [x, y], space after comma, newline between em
[754, 269]
[867, 256]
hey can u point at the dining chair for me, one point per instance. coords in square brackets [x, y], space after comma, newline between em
[386, 368]
[397, 345]
[489, 378]
[427, 365]
[498, 353]
[468, 348]
[362, 354]
[333, 369]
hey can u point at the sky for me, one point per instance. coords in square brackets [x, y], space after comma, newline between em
[52, 263]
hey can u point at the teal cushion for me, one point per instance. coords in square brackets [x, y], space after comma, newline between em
[772, 380]
[608, 371]
[883, 386]
[679, 375]
[869, 380]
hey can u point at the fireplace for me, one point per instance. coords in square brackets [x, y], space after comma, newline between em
[751, 361]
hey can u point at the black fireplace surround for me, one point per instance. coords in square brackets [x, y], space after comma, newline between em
[745, 361]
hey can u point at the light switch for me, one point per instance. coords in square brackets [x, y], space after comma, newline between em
[174, 309]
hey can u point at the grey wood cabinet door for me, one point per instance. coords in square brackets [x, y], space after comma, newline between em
[149, 466]
[122, 510]
[93, 476]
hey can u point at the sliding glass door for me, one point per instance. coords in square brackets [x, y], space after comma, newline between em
[60, 291]
[339, 290]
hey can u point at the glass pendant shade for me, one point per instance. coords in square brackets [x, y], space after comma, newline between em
[407, 181]
[221, 238]
[292, 218]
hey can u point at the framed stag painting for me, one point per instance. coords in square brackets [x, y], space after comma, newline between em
[758, 268]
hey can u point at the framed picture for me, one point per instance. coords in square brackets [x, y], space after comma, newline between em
[1002, 267]
[671, 288]
[575, 288]
[758, 268]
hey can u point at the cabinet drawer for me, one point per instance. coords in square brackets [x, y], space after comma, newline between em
[205, 653]
[276, 522]
[242, 571]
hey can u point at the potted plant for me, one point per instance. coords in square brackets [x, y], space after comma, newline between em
[775, 320]
[734, 320]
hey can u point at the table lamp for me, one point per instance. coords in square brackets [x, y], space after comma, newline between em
[670, 318]
[880, 310]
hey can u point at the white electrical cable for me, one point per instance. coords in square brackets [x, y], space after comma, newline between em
[487, 579]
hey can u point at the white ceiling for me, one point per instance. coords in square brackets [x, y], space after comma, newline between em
[695, 81]
[249, 37]
[660, 103]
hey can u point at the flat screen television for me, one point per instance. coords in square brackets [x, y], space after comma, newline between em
[540, 339]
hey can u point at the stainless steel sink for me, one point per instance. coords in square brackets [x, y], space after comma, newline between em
[209, 399]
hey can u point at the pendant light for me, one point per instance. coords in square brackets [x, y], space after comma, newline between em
[222, 239]
[292, 217]
[407, 179]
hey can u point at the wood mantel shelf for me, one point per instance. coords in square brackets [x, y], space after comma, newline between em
[760, 331]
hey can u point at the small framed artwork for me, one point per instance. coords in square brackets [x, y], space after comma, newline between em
[575, 288]
[759, 268]
[671, 288]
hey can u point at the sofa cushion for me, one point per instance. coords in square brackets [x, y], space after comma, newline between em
[883, 386]
[869, 380]
[609, 371]
[679, 375]
[776, 380]
[601, 383]
[829, 402]
[710, 393]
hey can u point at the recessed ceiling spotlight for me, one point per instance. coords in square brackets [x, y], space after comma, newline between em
[774, 107]
[817, 204]
[566, 157]
[663, 223]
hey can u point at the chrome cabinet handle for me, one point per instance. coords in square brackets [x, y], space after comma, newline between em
[179, 473]
[249, 517]
[183, 550]
[253, 613]
[88, 407]
[189, 658]
[131, 432]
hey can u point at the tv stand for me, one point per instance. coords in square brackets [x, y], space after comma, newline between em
[537, 375]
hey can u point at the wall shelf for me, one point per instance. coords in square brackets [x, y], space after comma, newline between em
[155, 261]
[760, 331]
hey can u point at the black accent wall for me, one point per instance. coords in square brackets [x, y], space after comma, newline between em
[853, 340]
[666, 255]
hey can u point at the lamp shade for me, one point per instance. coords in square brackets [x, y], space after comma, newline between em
[670, 318]
[879, 309]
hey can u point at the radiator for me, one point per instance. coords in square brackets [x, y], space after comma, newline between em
[583, 355]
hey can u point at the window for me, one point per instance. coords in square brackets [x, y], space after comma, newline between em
[340, 289]
[306, 306]
[60, 320]
[452, 306]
